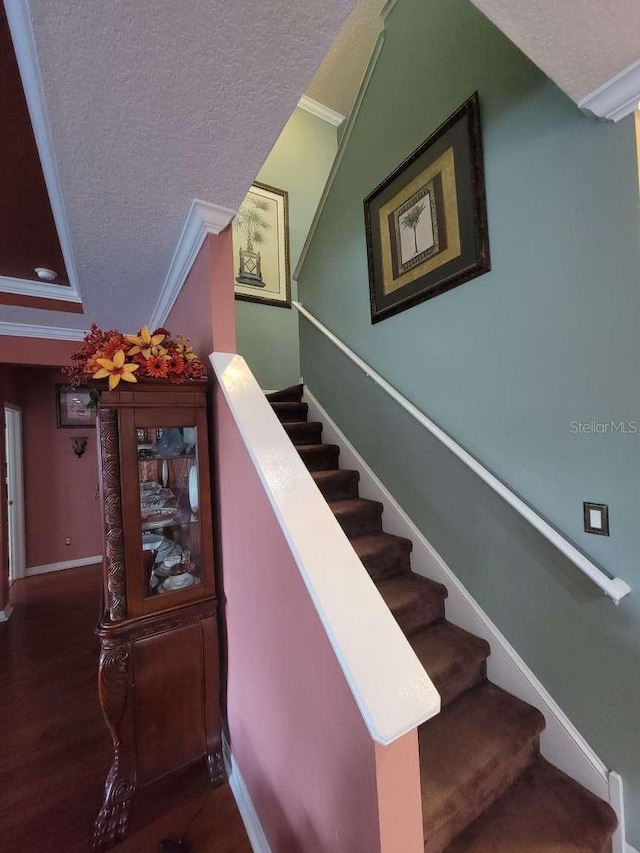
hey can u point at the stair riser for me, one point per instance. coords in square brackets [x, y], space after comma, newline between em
[419, 615]
[456, 683]
[481, 795]
[366, 520]
[340, 487]
[386, 565]
[293, 394]
[304, 433]
[290, 412]
[325, 459]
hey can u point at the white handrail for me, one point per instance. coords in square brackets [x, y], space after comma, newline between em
[615, 588]
[388, 682]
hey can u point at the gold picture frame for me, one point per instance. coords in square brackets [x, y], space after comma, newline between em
[426, 223]
[261, 247]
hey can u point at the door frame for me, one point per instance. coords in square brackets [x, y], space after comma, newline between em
[16, 538]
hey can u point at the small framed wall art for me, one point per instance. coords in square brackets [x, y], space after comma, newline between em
[72, 407]
[426, 223]
[261, 247]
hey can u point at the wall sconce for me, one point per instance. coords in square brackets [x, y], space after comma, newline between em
[79, 443]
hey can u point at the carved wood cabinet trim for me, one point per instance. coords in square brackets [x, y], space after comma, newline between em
[115, 581]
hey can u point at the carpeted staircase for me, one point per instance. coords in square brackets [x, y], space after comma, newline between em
[485, 786]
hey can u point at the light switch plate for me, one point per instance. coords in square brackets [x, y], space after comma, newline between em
[596, 518]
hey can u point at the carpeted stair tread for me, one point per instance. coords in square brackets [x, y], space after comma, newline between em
[543, 812]
[358, 516]
[415, 601]
[304, 432]
[383, 554]
[338, 484]
[319, 457]
[289, 411]
[469, 755]
[294, 393]
[454, 659]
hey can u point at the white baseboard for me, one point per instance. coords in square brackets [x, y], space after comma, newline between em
[257, 838]
[630, 849]
[560, 743]
[67, 564]
[6, 613]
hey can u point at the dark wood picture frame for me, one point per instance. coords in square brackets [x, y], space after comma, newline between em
[444, 175]
[285, 289]
[63, 418]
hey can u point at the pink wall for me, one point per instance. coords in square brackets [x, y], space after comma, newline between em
[14, 350]
[59, 487]
[296, 732]
[204, 310]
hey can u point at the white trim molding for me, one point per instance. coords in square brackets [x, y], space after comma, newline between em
[25, 287]
[202, 219]
[342, 147]
[630, 849]
[317, 109]
[616, 98]
[560, 742]
[257, 838]
[19, 18]
[390, 687]
[55, 333]
[6, 613]
[614, 587]
[59, 567]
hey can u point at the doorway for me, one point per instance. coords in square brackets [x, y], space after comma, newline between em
[15, 492]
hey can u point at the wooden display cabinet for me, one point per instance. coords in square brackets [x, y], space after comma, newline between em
[159, 667]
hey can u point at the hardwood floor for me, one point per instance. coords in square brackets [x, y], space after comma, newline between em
[54, 746]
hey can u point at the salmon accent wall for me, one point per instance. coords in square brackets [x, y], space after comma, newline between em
[59, 488]
[41, 351]
[204, 311]
[296, 732]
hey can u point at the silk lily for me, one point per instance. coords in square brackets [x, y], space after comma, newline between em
[116, 370]
[144, 341]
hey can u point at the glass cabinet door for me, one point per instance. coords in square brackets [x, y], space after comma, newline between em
[169, 509]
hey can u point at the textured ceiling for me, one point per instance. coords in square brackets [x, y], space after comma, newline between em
[338, 79]
[28, 236]
[579, 44]
[155, 103]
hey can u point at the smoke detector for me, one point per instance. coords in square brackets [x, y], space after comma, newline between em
[46, 274]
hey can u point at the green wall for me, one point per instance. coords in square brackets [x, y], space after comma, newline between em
[507, 361]
[299, 162]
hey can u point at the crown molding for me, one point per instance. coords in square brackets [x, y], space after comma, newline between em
[319, 110]
[342, 147]
[25, 287]
[54, 333]
[386, 9]
[203, 219]
[616, 98]
[19, 19]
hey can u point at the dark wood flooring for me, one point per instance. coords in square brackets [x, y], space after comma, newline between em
[54, 747]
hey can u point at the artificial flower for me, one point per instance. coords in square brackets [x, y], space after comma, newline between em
[156, 367]
[116, 370]
[175, 364]
[144, 341]
[184, 349]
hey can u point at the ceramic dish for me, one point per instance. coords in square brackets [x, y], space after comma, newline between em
[175, 582]
[193, 488]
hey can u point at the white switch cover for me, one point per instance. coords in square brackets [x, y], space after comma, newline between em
[595, 518]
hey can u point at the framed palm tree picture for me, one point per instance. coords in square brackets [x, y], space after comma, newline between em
[426, 223]
[261, 247]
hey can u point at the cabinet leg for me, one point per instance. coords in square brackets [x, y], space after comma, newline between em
[216, 770]
[112, 822]
[114, 689]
